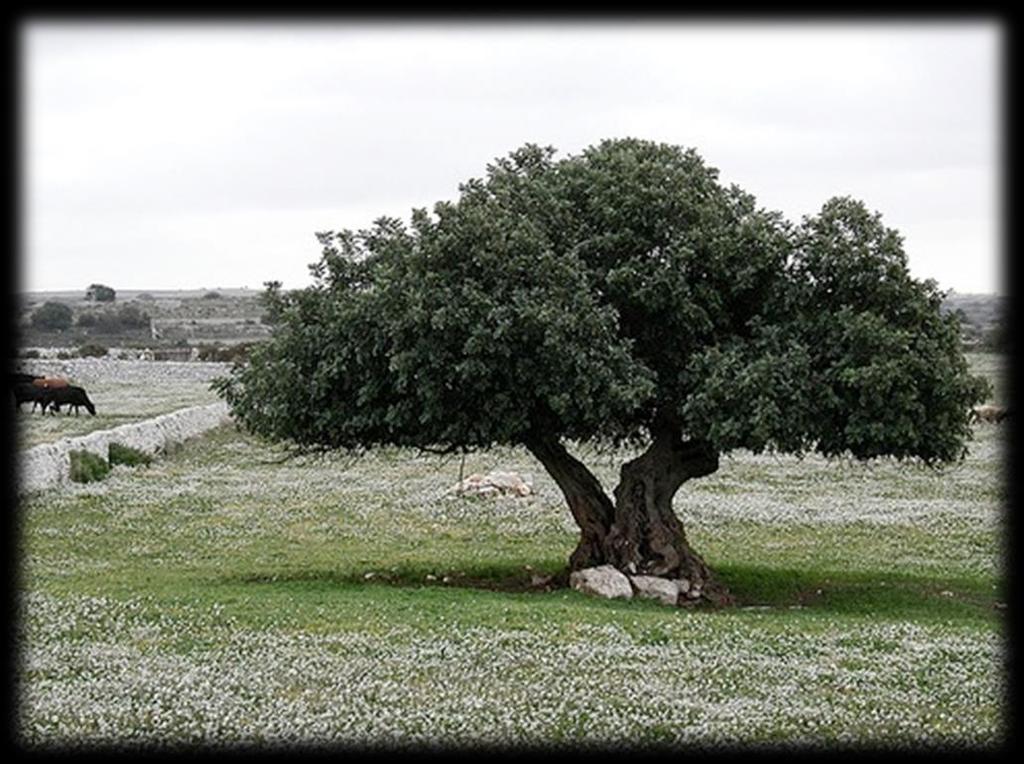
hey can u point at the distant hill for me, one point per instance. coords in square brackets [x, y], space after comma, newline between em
[169, 317]
[235, 314]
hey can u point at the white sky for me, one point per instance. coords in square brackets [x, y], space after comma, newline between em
[203, 155]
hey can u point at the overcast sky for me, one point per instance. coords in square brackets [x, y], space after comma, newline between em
[202, 155]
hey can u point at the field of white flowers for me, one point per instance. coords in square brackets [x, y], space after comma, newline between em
[226, 595]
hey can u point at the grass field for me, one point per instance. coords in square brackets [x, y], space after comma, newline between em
[226, 595]
[122, 393]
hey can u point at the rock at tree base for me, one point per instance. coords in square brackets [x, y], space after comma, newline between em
[652, 587]
[602, 581]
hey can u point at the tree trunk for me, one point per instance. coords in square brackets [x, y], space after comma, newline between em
[590, 506]
[639, 533]
[646, 537]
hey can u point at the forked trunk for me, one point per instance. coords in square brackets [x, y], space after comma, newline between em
[646, 537]
[639, 532]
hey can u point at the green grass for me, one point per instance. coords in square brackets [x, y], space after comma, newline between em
[225, 594]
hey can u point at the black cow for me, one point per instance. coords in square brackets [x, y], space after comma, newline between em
[71, 396]
[26, 391]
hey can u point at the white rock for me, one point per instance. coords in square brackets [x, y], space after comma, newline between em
[655, 588]
[602, 581]
[683, 584]
[494, 483]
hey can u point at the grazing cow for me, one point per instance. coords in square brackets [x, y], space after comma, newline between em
[989, 413]
[18, 394]
[26, 391]
[70, 395]
[50, 383]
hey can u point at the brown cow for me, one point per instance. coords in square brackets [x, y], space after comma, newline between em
[50, 383]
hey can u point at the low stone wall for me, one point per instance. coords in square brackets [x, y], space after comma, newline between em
[49, 465]
[86, 371]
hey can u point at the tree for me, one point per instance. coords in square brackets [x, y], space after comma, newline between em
[100, 293]
[52, 316]
[620, 296]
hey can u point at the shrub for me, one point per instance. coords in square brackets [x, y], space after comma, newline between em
[121, 454]
[125, 318]
[87, 467]
[92, 350]
[52, 316]
[132, 317]
[227, 353]
[30, 353]
[212, 296]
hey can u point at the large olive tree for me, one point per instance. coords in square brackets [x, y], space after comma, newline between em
[623, 295]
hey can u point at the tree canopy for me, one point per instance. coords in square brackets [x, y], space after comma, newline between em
[590, 297]
[100, 293]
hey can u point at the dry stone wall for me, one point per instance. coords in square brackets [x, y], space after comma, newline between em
[49, 465]
[85, 371]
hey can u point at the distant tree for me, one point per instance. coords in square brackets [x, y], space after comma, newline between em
[212, 296]
[619, 296]
[100, 293]
[52, 316]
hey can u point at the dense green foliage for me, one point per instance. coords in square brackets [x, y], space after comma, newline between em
[52, 316]
[586, 297]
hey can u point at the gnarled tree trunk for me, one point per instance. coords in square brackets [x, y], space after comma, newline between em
[646, 537]
[639, 532]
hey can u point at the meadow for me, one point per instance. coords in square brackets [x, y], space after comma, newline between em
[230, 594]
[122, 391]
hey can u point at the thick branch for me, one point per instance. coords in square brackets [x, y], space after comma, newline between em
[590, 506]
